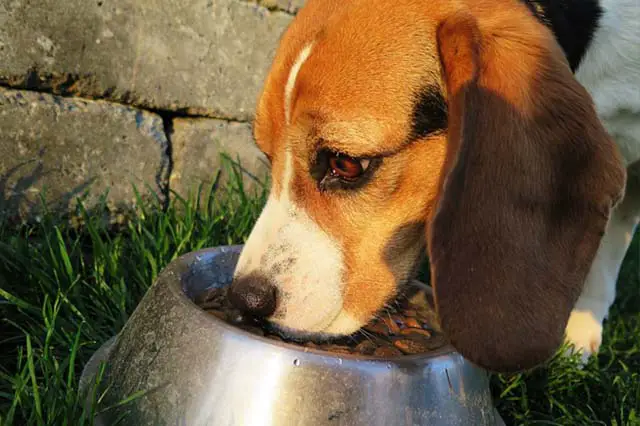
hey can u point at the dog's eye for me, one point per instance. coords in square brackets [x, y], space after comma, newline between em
[346, 167]
[336, 171]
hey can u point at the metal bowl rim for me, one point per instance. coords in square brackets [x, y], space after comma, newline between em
[176, 288]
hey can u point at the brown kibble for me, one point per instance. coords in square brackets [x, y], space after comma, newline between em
[377, 327]
[338, 349]
[412, 323]
[407, 329]
[391, 325]
[366, 347]
[411, 347]
[416, 333]
[387, 352]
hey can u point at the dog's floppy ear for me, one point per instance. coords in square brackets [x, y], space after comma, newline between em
[527, 188]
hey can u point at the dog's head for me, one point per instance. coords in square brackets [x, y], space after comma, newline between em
[395, 125]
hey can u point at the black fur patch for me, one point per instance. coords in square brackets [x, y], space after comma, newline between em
[429, 113]
[573, 22]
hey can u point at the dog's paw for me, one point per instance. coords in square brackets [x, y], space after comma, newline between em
[584, 334]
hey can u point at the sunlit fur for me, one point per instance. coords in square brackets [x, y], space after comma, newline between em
[345, 77]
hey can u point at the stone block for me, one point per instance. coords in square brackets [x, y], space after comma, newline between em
[201, 57]
[290, 6]
[67, 148]
[197, 145]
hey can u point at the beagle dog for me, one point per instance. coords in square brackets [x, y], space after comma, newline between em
[493, 136]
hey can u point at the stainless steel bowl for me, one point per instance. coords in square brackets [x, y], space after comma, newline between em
[189, 368]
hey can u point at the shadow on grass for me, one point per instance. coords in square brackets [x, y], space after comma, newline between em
[67, 289]
[19, 181]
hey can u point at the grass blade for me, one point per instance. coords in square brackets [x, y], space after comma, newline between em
[34, 381]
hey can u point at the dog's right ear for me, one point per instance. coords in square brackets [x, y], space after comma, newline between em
[528, 185]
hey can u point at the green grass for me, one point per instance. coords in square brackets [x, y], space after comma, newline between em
[606, 391]
[68, 290]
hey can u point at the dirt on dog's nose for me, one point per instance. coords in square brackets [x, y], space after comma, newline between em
[254, 295]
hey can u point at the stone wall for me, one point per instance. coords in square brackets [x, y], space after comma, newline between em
[103, 94]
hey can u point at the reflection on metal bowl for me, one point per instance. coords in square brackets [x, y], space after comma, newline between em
[189, 368]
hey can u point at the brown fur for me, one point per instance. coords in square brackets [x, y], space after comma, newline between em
[530, 181]
[530, 173]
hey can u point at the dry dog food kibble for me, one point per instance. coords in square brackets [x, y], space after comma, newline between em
[407, 329]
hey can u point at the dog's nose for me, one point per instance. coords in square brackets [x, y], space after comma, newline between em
[253, 295]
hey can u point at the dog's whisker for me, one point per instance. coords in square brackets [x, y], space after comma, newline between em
[367, 335]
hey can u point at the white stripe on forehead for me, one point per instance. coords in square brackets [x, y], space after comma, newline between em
[287, 179]
[291, 81]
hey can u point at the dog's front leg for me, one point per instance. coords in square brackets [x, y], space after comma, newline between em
[584, 329]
